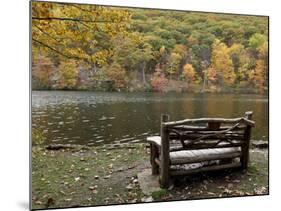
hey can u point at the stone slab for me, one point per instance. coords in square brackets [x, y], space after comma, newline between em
[148, 182]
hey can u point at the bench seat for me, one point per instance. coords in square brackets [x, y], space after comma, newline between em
[200, 155]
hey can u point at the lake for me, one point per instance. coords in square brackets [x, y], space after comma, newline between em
[95, 118]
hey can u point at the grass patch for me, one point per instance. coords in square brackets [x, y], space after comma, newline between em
[97, 176]
[156, 195]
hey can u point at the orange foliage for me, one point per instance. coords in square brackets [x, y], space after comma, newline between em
[159, 81]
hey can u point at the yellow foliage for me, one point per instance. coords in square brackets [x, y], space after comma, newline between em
[257, 76]
[74, 31]
[189, 73]
[222, 62]
[174, 62]
[68, 74]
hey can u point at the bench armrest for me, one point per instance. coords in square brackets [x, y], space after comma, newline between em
[154, 140]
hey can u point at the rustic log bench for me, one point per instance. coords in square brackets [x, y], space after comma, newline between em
[196, 145]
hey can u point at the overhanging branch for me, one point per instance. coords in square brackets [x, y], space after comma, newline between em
[72, 19]
[58, 52]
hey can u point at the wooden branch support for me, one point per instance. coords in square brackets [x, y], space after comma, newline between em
[245, 148]
[212, 120]
[165, 154]
[154, 154]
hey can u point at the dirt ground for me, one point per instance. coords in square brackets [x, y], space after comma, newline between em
[95, 176]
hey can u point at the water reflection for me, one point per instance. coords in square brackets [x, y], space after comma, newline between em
[98, 118]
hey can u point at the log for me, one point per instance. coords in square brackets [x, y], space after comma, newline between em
[205, 146]
[60, 146]
[196, 156]
[204, 169]
[260, 144]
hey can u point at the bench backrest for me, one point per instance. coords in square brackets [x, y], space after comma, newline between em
[206, 132]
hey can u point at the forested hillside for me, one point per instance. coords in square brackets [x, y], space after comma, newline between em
[87, 47]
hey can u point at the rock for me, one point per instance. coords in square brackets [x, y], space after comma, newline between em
[171, 187]
[97, 177]
[147, 199]
[92, 188]
[135, 181]
[148, 183]
[95, 191]
[107, 177]
[260, 144]
[129, 187]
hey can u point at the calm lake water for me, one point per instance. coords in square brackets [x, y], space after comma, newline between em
[95, 118]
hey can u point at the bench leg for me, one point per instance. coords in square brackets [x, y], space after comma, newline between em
[154, 154]
[164, 178]
[164, 174]
[245, 160]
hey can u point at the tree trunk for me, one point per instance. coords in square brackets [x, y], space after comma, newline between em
[143, 73]
[204, 82]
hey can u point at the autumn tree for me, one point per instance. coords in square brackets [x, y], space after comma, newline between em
[117, 74]
[222, 62]
[79, 32]
[189, 74]
[158, 81]
[174, 64]
[259, 75]
[256, 41]
[68, 74]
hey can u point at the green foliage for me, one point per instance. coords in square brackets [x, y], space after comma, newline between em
[256, 41]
